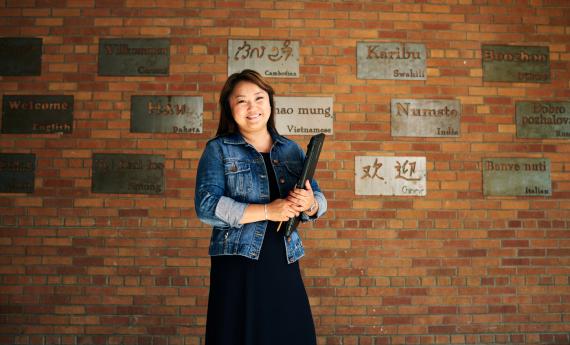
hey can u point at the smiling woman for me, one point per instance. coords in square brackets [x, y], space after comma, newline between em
[245, 186]
[251, 111]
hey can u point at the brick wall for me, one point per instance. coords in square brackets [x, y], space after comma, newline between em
[451, 267]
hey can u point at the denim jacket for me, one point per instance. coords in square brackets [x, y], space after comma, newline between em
[231, 175]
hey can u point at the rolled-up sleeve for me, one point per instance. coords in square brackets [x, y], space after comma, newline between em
[230, 211]
[323, 205]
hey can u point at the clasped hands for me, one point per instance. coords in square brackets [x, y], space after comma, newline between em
[299, 200]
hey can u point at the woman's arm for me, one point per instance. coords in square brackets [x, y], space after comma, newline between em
[278, 210]
[212, 207]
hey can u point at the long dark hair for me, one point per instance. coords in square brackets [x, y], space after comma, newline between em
[227, 124]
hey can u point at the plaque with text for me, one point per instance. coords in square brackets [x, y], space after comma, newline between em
[304, 115]
[425, 118]
[402, 176]
[20, 56]
[276, 59]
[525, 64]
[543, 119]
[516, 177]
[127, 173]
[134, 57]
[17, 172]
[166, 114]
[393, 61]
[37, 114]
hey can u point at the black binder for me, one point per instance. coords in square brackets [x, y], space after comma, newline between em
[309, 166]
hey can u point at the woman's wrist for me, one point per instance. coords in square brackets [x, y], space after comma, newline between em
[311, 211]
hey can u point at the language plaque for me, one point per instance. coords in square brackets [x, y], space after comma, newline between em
[127, 173]
[403, 176]
[277, 59]
[134, 57]
[394, 61]
[304, 115]
[166, 114]
[516, 176]
[37, 114]
[543, 119]
[528, 64]
[425, 118]
[17, 172]
[20, 56]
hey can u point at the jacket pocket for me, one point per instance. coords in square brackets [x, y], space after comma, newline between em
[239, 181]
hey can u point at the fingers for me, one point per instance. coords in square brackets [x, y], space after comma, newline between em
[302, 198]
[308, 186]
[281, 210]
[308, 190]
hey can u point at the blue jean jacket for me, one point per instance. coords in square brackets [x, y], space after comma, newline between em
[231, 175]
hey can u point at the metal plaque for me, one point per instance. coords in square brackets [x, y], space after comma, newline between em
[20, 56]
[304, 115]
[134, 57]
[390, 176]
[425, 118]
[17, 172]
[166, 114]
[276, 59]
[37, 114]
[394, 61]
[543, 119]
[517, 176]
[127, 173]
[528, 64]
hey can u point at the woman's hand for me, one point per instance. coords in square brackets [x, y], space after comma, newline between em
[280, 210]
[303, 199]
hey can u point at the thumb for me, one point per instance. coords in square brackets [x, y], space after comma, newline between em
[308, 185]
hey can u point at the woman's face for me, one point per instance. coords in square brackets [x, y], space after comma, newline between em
[250, 107]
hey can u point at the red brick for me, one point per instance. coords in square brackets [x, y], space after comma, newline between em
[396, 300]
[442, 329]
[133, 213]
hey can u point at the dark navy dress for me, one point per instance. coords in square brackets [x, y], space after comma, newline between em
[259, 302]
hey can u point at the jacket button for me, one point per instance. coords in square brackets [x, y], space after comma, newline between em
[276, 161]
[282, 180]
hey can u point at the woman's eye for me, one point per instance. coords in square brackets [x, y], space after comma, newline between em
[259, 98]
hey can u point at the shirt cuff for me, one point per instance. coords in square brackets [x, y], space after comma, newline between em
[230, 211]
